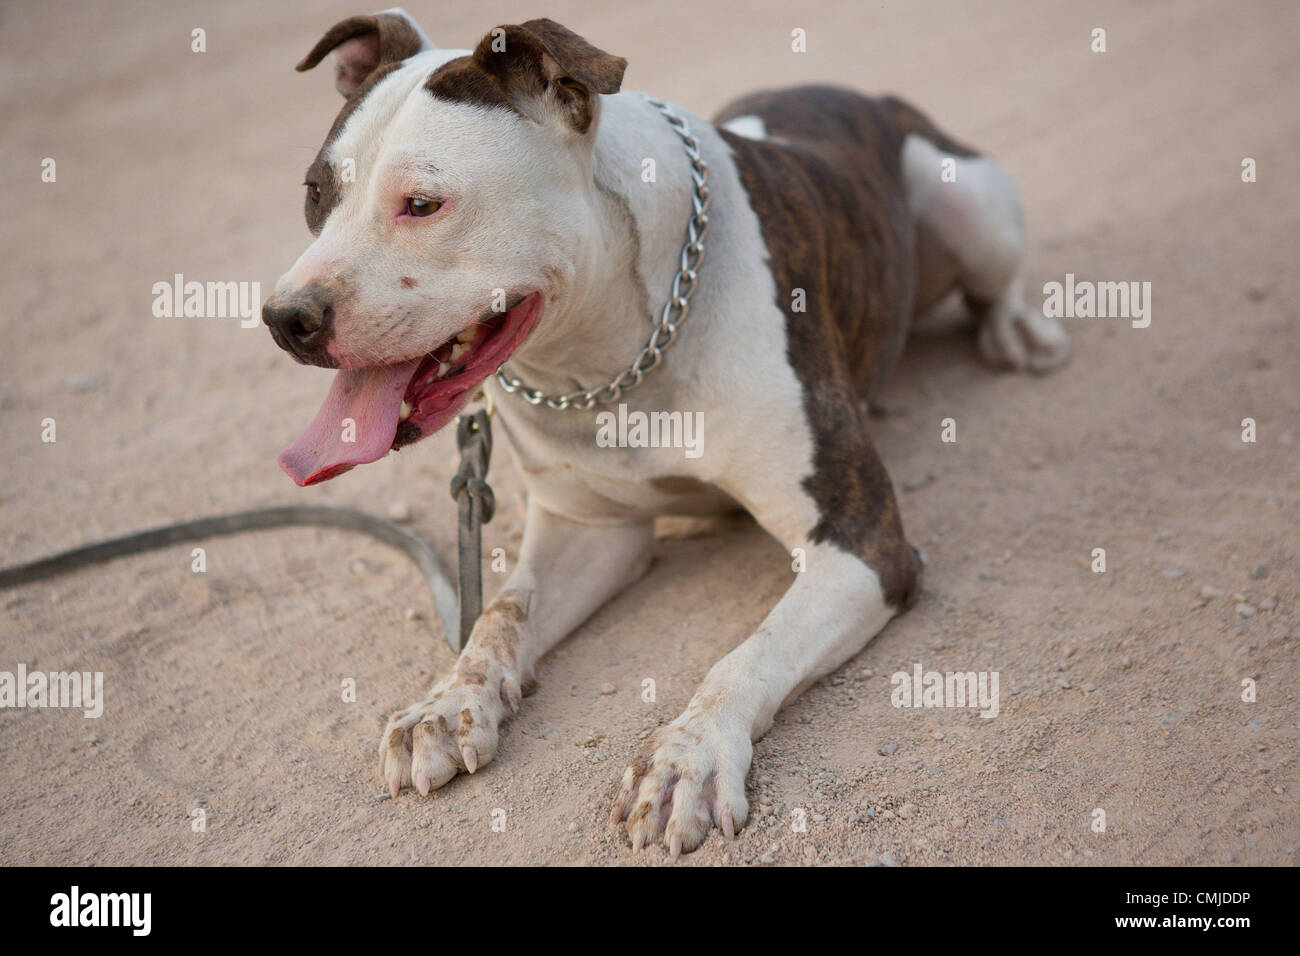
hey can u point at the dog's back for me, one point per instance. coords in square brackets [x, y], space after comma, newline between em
[825, 172]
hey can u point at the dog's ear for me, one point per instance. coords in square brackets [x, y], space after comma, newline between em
[541, 58]
[363, 44]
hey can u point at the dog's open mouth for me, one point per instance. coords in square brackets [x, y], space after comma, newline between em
[372, 410]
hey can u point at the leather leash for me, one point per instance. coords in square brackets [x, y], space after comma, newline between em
[470, 489]
[477, 505]
[259, 519]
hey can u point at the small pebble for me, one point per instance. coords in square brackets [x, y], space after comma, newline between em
[888, 750]
[399, 511]
[1260, 572]
[1268, 604]
[607, 689]
[1246, 610]
[887, 859]
[1210, 591]
[1173, 574]
[916, 484]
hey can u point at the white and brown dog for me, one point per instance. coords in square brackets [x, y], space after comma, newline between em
[474, 208]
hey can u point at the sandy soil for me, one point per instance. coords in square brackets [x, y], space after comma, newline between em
[1121, 690]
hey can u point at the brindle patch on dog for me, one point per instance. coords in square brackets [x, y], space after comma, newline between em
[827, 187]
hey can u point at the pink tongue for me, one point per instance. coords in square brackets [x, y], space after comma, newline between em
[372, 399]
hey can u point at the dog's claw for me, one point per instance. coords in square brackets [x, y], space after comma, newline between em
[728, 827]
[470, 756]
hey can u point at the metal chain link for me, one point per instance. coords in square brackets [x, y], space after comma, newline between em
[675, 309]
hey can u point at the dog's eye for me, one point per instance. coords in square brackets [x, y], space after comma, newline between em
[313, 193]
[422, 207]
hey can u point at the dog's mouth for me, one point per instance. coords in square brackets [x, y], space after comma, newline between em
[370, 411]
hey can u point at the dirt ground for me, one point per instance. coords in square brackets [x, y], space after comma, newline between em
[1121, 690]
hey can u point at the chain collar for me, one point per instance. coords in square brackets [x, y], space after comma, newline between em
[675, 309]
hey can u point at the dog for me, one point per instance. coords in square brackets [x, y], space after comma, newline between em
[490, 209]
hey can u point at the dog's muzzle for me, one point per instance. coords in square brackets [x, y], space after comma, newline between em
[302, 323]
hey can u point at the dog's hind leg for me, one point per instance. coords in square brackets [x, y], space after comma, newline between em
[970, 238]
[566, 571]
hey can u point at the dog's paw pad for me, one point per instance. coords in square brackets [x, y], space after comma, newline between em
[689, 777]
[454, 729]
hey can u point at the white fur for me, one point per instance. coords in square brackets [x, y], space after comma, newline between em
[970, 233]
[748, 126]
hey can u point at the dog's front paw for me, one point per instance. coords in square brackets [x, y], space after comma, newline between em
[689, 775]
[453, 729]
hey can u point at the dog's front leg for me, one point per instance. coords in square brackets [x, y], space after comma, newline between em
[691, 773]
[566, 571]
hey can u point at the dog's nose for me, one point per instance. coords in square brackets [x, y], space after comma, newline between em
[301, 323]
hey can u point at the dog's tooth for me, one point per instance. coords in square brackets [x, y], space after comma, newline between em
[467, 336]
[405, 412]
[458, 350]
[443, 369]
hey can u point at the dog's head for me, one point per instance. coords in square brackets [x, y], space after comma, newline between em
[447, 205]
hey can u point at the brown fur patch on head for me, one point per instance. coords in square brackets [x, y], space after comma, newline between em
[533, 61]
[320, 172]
